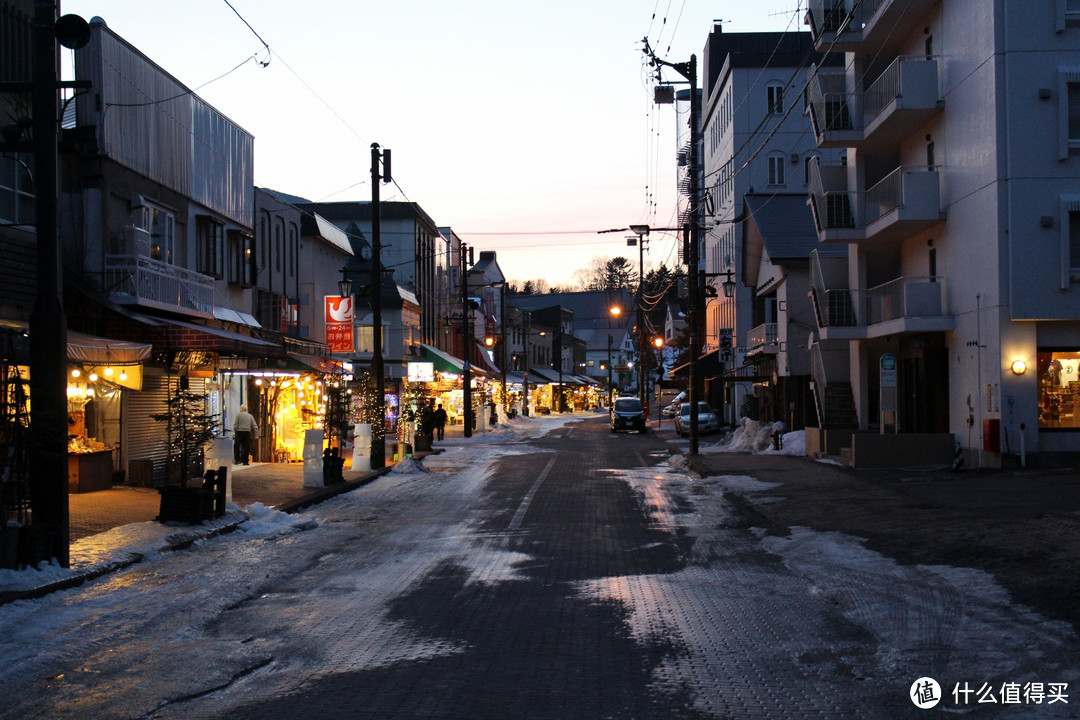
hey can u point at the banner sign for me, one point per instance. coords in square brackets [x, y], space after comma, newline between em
[339, 323]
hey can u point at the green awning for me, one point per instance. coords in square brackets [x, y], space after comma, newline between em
[442, 361]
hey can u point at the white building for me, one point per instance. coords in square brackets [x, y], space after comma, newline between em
[756, 141]
[960, 202]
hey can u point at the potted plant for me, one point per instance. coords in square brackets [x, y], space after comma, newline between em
[188, 429]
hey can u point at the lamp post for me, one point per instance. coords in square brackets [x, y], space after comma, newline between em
[616, 312]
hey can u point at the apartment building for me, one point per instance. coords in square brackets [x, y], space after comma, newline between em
[956, 314]
[757, 142]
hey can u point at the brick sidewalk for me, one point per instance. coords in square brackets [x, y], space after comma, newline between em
[1021, 526]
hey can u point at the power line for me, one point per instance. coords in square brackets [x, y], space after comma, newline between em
[268, 54]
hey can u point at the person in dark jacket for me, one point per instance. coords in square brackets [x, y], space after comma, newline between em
[440, 421]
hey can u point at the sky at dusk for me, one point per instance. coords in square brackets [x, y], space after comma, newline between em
[526, 127]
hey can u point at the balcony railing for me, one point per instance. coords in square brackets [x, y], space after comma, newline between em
[906, 297]
[763, 337]
[913, 190]
[829, 196]
[140, 280]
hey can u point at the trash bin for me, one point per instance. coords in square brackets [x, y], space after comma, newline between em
[361, 453]
[313, 458]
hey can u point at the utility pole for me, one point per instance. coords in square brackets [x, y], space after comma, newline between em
[466, 334]
[48, 323]
[378, 435]
[525, 370]
[689, 71]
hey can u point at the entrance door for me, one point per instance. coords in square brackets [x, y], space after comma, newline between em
[924, 392]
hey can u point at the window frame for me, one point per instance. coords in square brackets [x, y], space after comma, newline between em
[209, 250]
[774, 99]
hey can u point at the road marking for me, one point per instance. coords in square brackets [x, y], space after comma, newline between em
[519, 516]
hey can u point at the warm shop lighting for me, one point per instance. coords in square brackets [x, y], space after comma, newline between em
[1019, 367]
[93, 377]
[108, 372]
[76, 372]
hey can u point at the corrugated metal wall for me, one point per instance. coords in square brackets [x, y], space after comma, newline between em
[149, 122]
[144, 437]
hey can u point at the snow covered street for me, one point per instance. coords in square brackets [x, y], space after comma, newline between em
[547, 569]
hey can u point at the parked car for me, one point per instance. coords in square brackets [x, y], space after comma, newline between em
[627, 414]
[706, 419]
[672, 408]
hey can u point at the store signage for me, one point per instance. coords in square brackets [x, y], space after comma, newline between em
[421, 372]
[339, 323]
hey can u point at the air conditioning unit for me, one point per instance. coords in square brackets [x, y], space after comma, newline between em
[136, 241]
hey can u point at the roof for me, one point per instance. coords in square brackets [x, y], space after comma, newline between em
[314, 225]
[786, 226]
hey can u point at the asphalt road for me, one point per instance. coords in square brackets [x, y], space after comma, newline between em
[579, 576]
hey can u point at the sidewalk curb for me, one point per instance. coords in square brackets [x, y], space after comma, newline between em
[186, 536]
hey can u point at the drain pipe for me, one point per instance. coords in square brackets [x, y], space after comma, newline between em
[1023, 455]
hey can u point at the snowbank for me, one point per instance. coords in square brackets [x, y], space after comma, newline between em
[753, 436]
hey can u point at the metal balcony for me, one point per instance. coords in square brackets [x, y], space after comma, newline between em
[903, 203]
[141, 280]
[763, 340]
[883, 25]
[833, 206]
[899, 101]
[908, 305]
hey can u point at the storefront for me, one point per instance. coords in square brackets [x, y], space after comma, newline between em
[100, 373]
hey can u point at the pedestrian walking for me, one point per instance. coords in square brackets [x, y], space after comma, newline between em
[440, 421]
[246, 430]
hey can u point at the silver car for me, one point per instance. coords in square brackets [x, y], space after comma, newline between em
[706, 419]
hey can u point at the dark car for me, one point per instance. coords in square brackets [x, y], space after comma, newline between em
[627, 414]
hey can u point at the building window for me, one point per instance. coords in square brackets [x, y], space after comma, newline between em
[241, 258]
[365, 339]
[279, 246]
[776, 169]
[291, 260]
[209, 246]
[1059, 389]
[775, 98]
[1069, 112]
[16, 192]
[161, 224]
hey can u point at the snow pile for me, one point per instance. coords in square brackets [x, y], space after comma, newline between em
[265, 521]
[753, 436]
[409, 466]
[518, 429]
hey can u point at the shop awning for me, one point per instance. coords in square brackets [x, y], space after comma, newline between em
[443, 362]
[183, 335]
[543, 375]
[93, 350]
[514, 378]
[708, 366]
[313, 362]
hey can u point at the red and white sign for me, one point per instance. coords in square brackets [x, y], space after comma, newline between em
[339, 323]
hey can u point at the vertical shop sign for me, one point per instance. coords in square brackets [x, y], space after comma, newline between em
[339, 323]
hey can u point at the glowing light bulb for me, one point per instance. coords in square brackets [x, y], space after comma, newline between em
[108, 372]
[123, 376]
[93, 377]
[76, 372]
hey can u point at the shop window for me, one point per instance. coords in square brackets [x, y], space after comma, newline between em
[1059, 389]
